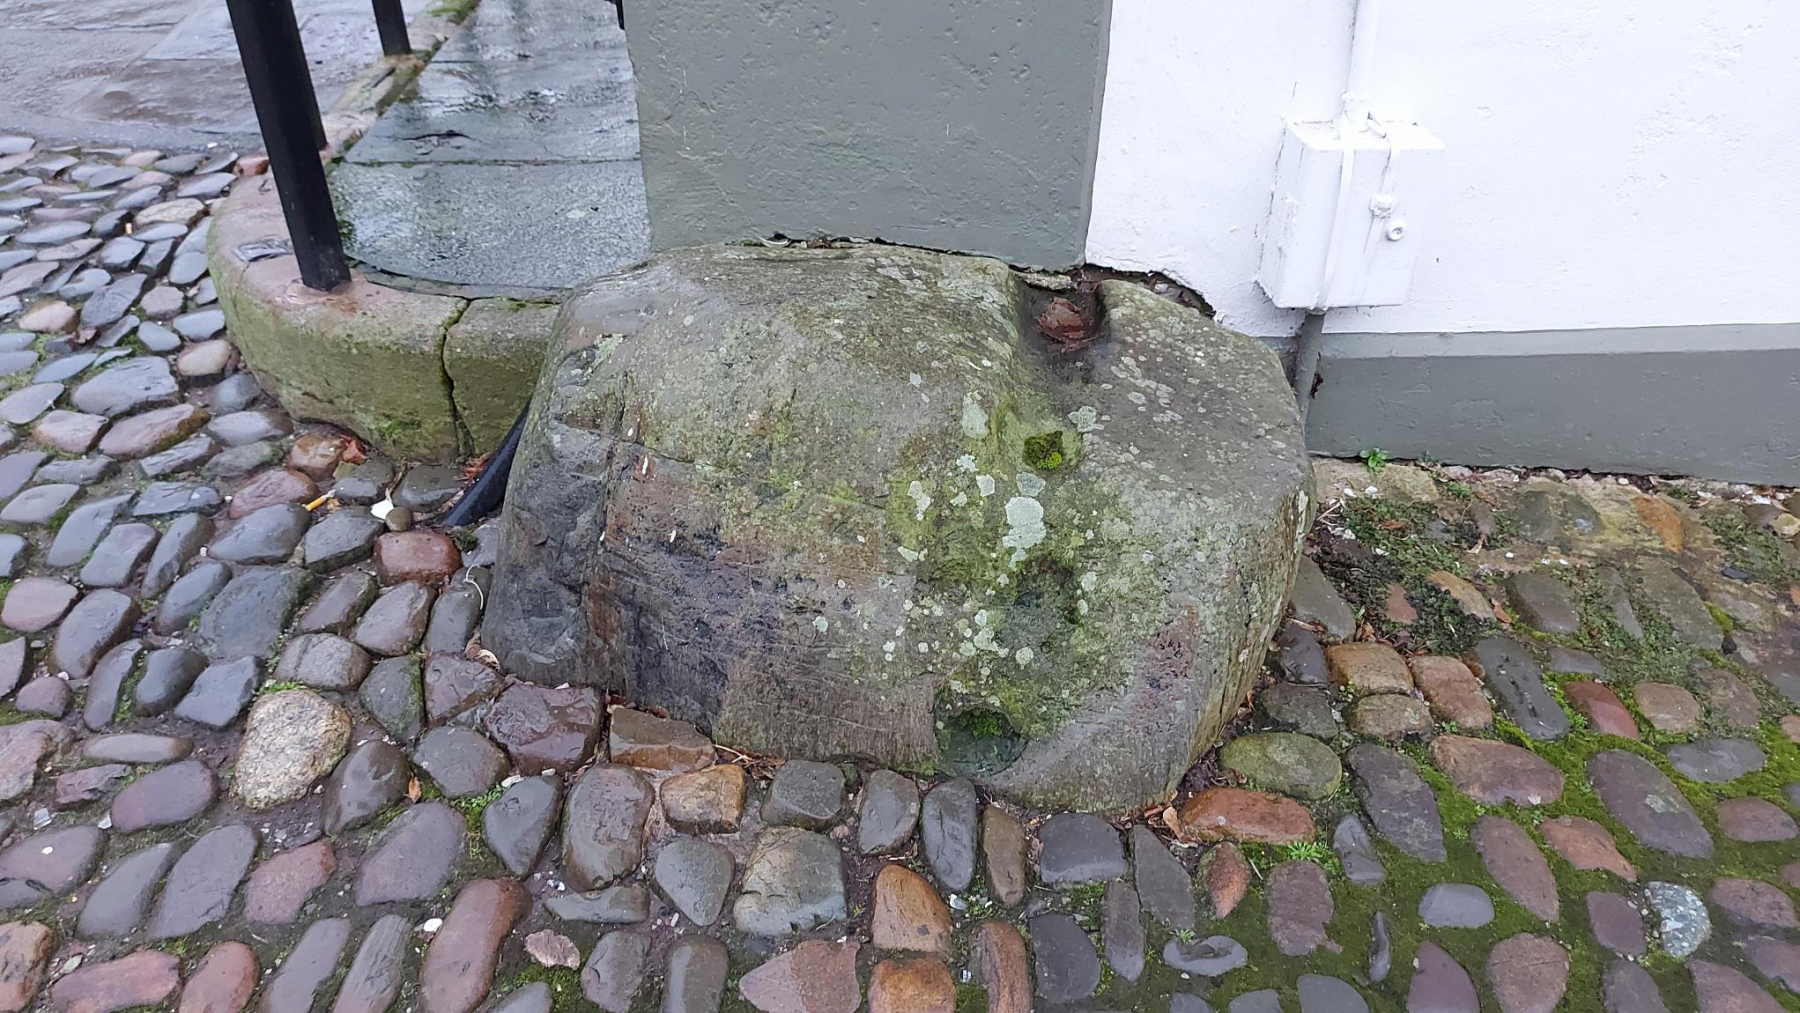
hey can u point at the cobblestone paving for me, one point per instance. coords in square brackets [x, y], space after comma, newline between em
[1527, 743]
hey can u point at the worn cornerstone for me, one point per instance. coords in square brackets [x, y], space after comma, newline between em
[858, 502]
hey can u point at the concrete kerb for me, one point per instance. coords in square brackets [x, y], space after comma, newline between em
[366, 357]
[418, 375]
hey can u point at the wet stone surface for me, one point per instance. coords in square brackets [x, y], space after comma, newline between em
[1649, 805]
[1512, 675]
[1399, 802]
[413, 857]
[1079, 848]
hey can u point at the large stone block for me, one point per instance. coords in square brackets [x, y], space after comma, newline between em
[852, 502]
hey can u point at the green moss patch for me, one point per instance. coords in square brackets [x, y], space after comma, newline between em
[1403, 543]
[1752, 549]
[1045, 451]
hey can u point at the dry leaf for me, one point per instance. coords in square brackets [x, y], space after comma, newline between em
[1064, 325]
[472, 470]
[1172, 821]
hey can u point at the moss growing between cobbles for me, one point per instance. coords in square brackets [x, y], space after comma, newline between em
[1404, 543]
[1660, 655]
[127, 694]
[564, 982]
[1752, 549]
[1405, 537]
[1442, 628]
[1729, 859]
[1409, 878]
[473, 806]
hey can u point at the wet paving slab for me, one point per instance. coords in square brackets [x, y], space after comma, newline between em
[536, 228]
[512, 163]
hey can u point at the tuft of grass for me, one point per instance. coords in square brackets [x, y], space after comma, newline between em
[473, 806]
[1310, 851]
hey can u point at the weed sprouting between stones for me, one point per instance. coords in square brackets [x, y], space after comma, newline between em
[473, 806]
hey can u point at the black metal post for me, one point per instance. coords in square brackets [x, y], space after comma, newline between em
[287, 112]
[390, 21]
[619, 5]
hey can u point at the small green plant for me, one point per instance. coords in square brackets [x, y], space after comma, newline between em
[978, 905]
[1722, 617]
[1186, 935]
[473, 806]
[1310, 851]
[1085, 899]
[1375, 459]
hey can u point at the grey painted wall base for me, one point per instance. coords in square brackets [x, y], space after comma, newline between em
[1717, 401]
[967, 125]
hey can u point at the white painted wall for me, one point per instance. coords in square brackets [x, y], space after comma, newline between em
[1608, 164]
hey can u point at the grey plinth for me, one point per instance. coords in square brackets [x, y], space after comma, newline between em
[956, 125]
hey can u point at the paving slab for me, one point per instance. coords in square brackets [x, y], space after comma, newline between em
[542, 228]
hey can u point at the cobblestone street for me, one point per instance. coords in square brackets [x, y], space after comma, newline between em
[1527, 743]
